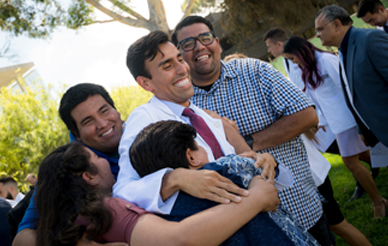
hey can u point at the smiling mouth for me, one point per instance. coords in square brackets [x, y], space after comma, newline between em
[106, 133]
[182, 83]
[203, 57]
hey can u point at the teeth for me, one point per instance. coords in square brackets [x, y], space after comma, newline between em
[182, 82]
[106, 133]
[202, 57]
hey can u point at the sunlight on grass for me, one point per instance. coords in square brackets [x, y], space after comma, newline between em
[358, 212]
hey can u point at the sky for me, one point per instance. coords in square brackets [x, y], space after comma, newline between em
[95, 53]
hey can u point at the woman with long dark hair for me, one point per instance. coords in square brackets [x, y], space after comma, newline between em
[74, 200]
[322, 84]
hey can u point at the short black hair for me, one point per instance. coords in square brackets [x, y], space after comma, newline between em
[76, 95]
[147, 47]
[334, 12]
[371, 6]
[8, 180]
[188, 21]
[276, 35]
[162, 144]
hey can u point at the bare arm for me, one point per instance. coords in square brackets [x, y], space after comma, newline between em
[209, 227]
[285, 129]
[26, 237]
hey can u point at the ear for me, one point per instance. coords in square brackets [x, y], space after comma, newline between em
[381, 9]
[89, 178]
[11, 189]
[144, 82]
[193, 161]
[218, 42]
[337, 24]
[76, 136]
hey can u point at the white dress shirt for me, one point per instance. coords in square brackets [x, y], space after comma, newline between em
[145, 192]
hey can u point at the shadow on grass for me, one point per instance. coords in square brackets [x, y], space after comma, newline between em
[358, 212]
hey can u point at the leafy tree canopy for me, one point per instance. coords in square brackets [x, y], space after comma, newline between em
[38, 18]
[30, 128]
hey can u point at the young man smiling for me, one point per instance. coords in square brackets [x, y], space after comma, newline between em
[91, 117]
[158, 67]
[270, 112]
[373, 13]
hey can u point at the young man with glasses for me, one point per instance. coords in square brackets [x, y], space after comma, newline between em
[270, 112]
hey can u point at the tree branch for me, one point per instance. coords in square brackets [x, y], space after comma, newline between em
[188, 9]
[127, 9]
[157, 16]
[125, 20]
[100, 22]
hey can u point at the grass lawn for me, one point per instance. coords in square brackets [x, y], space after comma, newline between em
[358, 212]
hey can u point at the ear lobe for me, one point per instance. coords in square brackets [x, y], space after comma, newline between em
[76, 136]
[89, 178]
[144, 83]
[218, 42]
[193, 162]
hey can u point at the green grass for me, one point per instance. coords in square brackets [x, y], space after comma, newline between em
[358, 212]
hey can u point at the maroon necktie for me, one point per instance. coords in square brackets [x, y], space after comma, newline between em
[200, 125]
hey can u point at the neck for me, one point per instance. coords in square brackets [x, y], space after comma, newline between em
[341, 36]
[206, 79]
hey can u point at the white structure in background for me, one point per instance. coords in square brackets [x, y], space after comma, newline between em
[17, 76]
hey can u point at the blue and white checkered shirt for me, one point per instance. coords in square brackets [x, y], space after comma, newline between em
[255, 95]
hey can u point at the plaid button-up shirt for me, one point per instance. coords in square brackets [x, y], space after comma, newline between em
[255, 95]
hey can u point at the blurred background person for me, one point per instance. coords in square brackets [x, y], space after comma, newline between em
[320, 74]
[9, 190]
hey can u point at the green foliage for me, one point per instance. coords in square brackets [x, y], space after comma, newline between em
[358, 212]
[127, 98]
[38, 18]
[30, 128]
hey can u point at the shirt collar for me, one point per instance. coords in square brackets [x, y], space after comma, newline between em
[345, 42]
[226, 71]
[177, 109]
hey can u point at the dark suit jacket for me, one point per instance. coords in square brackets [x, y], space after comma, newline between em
[367, 73]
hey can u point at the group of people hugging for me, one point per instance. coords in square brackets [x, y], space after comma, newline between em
[216, 157]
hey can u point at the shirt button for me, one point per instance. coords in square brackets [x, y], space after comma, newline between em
[128, 206]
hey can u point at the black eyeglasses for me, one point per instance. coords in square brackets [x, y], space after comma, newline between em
[189, 44]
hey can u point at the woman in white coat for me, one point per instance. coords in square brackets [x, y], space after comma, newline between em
[320, 74]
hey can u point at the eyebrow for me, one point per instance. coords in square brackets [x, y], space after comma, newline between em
[164, 62]
[169, 60]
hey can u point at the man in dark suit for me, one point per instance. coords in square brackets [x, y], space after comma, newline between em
[364, 75]
[364, 58]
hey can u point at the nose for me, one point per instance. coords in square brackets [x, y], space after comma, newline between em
[182, 68]
[101, 122]
[198, 45]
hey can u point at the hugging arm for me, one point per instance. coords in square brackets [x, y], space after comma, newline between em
[155, 189]
[209, 227]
